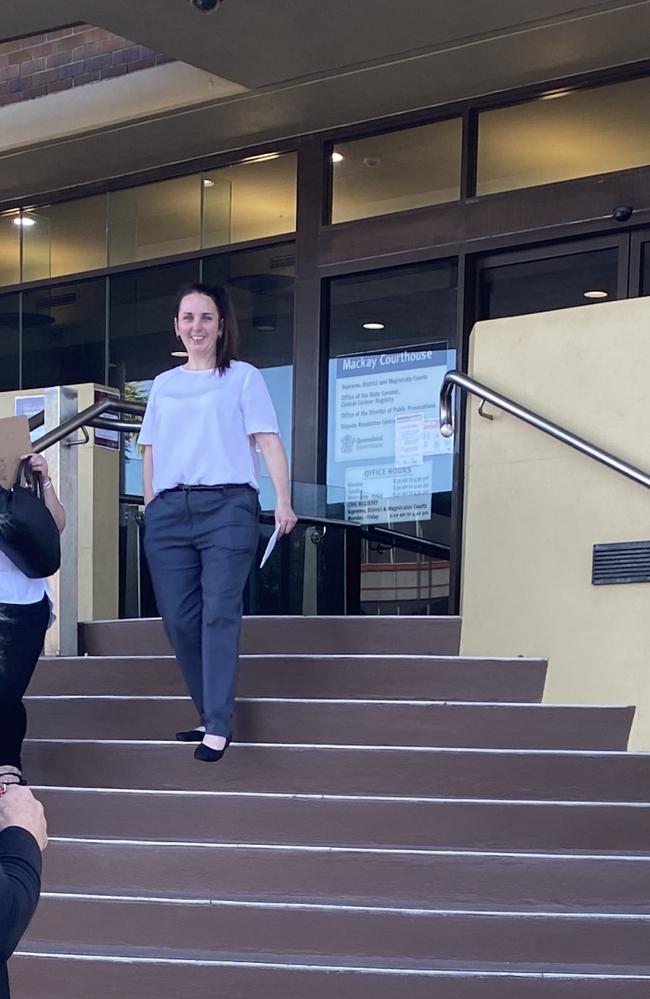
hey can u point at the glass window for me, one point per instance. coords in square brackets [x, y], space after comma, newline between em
[9, 324]
[9, 248]
[64, 239]
[563, 135]
[155, 220]
[392, 338]
[260, 283]
[142, 341]
[541, 285]
[250, 200]
[64, 334]
[396, 171]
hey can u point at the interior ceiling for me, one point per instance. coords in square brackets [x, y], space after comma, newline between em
[310, 65]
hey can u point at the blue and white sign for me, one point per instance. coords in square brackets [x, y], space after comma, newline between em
[388, 494]
[373, 391]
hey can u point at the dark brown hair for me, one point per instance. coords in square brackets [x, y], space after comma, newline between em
[228, 341]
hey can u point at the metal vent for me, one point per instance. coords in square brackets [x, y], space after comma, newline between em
[624, 562]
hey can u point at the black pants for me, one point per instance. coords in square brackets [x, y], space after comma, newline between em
[22, 633]
[200, 546]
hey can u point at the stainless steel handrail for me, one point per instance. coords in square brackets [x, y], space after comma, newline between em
[462, 381]
[90, 417]
[381, 535]
[373, 532]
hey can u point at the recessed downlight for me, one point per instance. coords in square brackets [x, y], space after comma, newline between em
[179, 353]
[374, 326]
[596, 293]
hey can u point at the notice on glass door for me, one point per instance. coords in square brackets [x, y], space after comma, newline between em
[388, 494]
[409, 439]
[372, 391]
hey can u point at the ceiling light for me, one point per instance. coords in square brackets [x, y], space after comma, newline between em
[374, 326]
[207, 182]
[261, 158]
[596, 294]
[554, 94]
[337, 157]
[24, 220]
[179, 353]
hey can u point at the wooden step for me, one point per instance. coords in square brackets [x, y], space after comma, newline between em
[335, 934]
[392, 821]
[425, 879]
[232, 817]
[367, 677]
[382, 635]
[502, 774]
[339, 722]
[152, 978]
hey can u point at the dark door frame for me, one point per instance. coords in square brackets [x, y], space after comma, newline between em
[639, 238]
[629, 244]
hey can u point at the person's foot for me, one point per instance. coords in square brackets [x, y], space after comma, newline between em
[212, 748]
[214, 741]
[192, 734]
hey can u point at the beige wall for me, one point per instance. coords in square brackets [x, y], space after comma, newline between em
[534, 508]
[98, 495]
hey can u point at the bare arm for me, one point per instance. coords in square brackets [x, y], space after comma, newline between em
[147, 474]
[275, 457]
[51, 500]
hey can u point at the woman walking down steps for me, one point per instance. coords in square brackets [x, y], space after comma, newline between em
[200, 430]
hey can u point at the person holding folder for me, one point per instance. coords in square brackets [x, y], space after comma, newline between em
[203, 423]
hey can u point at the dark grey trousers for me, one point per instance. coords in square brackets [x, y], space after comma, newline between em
[200, 546]
[22, 633]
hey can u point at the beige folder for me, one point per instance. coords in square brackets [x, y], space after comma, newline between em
[14, 442]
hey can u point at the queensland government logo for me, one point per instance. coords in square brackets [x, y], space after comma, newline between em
[347, 443]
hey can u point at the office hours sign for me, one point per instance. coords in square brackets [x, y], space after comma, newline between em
[387, 429]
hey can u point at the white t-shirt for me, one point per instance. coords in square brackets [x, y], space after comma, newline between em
[199, 424]
[17, 588]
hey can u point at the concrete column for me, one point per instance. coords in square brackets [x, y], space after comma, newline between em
[61, 638]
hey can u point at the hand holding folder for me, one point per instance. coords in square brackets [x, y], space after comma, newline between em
[270, 546]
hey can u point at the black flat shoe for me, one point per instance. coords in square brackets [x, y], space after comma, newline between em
[208, 755]
[191, 735]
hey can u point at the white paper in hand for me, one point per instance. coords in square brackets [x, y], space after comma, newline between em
[270, 546]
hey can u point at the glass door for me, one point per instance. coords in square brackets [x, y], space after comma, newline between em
[392, 337]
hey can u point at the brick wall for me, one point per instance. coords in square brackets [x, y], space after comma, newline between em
[70, 57]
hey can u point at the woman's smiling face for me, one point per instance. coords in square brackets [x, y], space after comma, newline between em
[198, 324]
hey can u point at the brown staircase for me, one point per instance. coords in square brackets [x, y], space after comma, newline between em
[391, 822]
